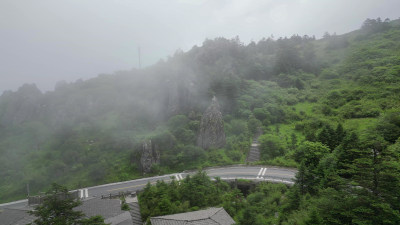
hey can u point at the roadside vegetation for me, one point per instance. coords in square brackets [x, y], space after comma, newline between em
[260, 206]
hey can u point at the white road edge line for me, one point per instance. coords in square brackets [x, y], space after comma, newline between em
[15, 202]
[129, 181]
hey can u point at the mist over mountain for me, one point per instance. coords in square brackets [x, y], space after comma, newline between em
[48, 41]
[304, 93]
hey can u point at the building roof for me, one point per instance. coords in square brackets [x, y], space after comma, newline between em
[104, 207]
[211, 216]
[110, 209]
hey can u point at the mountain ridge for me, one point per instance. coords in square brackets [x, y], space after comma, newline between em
[88, 132]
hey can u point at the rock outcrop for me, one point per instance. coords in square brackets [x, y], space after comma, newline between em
[150, 156]
[212, 134]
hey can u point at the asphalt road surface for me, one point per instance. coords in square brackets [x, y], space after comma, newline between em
[261, 173]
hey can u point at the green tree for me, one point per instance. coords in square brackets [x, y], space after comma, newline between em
[293, 200]
[261, 114]
[375, 172]
[311, 153]
[249, 217]
[313, 218]
[346, 153]
[271, 146]
[293, 139]
[253, 124]
[328, 137]
[301, 178]
[389, 126]
[340, 134]
[328, 172]
[233, 201]
[94, 220]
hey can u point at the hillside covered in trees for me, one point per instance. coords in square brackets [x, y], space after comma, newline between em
[329, 107]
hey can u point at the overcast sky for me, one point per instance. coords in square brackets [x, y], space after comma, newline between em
[45, 41]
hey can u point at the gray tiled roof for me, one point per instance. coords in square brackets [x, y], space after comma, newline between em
[202, 222]
[222, 217]
[126, 222]
[121, 218]
[135, 213]
[105, 207]
[212, 216]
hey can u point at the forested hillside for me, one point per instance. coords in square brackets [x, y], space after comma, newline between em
[328, 106]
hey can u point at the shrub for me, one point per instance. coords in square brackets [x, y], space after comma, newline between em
[271, 146]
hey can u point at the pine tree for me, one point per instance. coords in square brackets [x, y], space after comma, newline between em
[327, 136]
[293, 200]
[293, 141]
[301, 178]
[376, 174]
[346, 153]
[340, 133]
[328, 172]
[248, 216]
[314, 218]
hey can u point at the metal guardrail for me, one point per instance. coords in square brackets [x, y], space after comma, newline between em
[119, 195]
[266, 178]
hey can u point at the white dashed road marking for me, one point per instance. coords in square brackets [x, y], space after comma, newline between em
[265, 170]
[83, 193]
[259, 173]
[178, 177]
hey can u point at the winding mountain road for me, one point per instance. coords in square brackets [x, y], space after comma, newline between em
[260, 173]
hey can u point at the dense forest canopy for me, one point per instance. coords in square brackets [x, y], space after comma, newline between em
[328, 106]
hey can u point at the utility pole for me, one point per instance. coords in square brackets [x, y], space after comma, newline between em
[140, 63]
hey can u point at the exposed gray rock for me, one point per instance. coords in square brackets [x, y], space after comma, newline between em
[212, 134]
[150, 156]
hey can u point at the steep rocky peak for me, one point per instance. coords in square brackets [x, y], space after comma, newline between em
[212, 134]
[150, 156]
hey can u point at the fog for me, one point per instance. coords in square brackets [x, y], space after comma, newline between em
[46, 41]
[90, 130]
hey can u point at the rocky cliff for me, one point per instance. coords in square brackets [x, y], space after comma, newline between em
[150, 156]
[212, 133]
